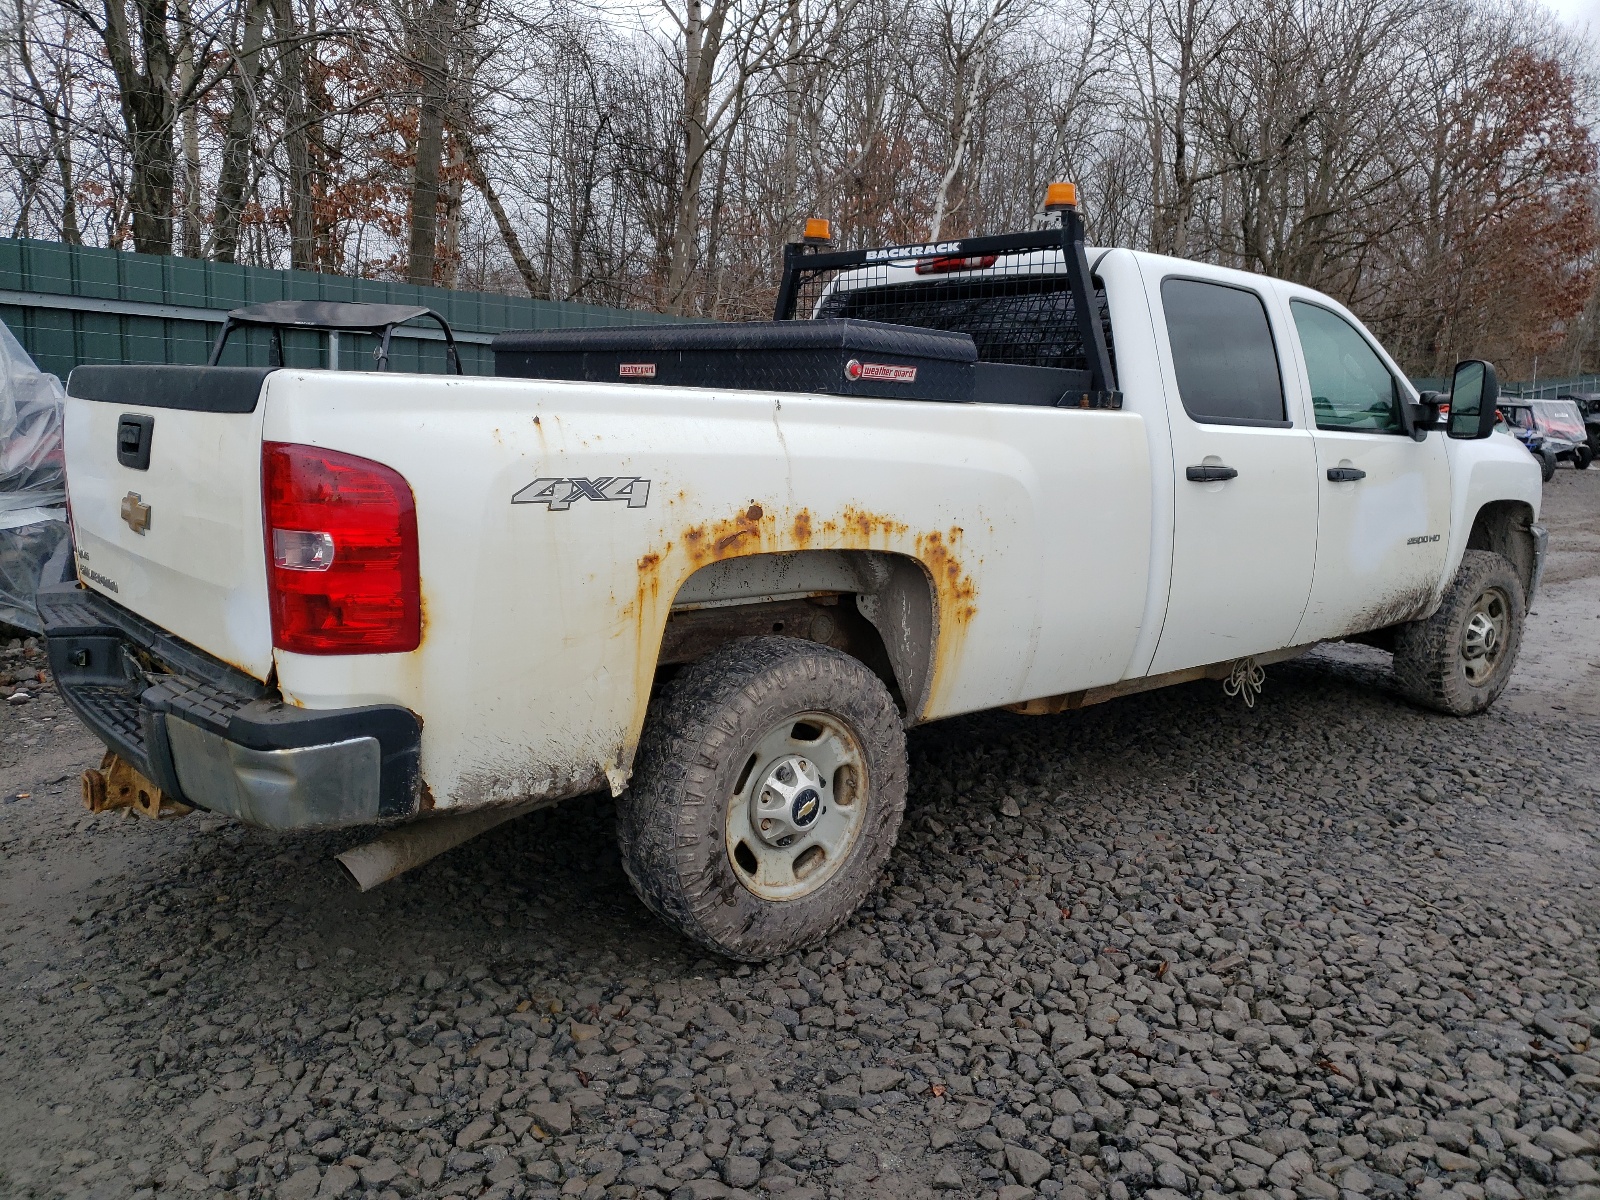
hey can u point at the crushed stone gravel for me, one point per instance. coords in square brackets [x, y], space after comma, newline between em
[1329, 947]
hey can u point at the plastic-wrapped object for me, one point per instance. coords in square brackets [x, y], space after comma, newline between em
[33, 479]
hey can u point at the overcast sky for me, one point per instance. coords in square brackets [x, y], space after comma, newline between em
[1579, 12]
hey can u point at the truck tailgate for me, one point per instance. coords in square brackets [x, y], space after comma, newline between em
[164, 479]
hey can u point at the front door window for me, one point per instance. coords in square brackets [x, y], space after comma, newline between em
[1351, 388]
[1383, 510]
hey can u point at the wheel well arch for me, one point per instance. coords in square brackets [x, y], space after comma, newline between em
[1505, 527]
[881, 607]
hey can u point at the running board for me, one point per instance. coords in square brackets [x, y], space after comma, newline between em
[1046, 706]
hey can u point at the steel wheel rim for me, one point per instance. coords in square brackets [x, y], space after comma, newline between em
[1483, 638]
[798, 807]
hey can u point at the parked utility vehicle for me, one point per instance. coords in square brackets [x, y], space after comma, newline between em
[720, 569]
[1589, 405]
[1552, 430]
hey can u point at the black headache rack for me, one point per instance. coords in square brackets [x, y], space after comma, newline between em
[1014, 319]
[1028, 300]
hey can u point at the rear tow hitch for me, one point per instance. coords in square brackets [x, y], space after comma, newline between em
[117, 785]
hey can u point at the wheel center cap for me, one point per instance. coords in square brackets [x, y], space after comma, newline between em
[787, 802]
[1482, 637]
[804, 808]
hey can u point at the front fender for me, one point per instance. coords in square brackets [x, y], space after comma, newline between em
[1492, 477]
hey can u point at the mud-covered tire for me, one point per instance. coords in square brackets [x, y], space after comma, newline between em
[697, 751]
[1547, 465]
[1434, 660]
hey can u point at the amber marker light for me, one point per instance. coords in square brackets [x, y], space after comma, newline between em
[818, 231]
[1060, 195]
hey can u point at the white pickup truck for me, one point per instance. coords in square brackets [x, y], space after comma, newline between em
[720, 569]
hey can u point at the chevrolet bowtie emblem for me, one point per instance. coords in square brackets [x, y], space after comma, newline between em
[135, 512]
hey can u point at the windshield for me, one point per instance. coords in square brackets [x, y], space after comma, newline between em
[1560, 418]
[1517, 418]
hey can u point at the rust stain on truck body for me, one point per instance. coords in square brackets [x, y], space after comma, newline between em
[767, 527]
[957, 596]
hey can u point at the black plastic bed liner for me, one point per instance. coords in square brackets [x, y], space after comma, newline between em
[839, 357]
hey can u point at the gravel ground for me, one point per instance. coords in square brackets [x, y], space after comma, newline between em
[1328, 947]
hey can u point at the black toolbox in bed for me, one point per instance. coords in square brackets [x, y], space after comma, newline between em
[837, 357]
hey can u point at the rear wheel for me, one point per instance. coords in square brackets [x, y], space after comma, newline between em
[1582, 457]
[1459, 660]
[766, 796]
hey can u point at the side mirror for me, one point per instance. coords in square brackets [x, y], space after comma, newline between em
[1424, 414]
[1473, 393]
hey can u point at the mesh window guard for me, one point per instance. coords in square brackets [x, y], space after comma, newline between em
[1020, 296]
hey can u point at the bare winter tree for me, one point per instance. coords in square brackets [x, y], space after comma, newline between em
[965, 36]
[245, 71]
[143, 43]
[1429, 162]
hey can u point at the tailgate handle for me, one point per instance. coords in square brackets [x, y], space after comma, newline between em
[1209, 474]
[134, 432]
[1345, 474]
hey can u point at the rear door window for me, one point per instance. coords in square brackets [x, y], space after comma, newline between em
[1223, 353]
[1351, 389]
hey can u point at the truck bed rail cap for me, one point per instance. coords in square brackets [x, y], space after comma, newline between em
[163, 385]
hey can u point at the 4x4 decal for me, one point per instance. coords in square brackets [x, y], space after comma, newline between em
[558, 494]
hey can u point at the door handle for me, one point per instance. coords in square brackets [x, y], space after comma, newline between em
[1345, 474]
[1209, 474]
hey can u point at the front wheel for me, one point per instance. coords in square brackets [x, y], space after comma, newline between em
[1547, 465]
[1459, 660]
[766, 796]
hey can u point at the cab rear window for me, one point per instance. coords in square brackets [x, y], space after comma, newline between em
[1026, 319]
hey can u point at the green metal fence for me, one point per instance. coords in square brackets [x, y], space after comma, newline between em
[77, 304]
[1548, 389]
[1533, 389]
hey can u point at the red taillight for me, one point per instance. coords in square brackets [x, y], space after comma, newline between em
[341, 553]
[955, 262]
